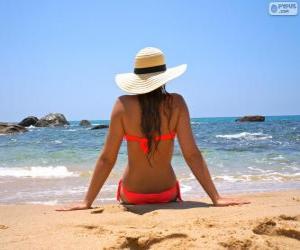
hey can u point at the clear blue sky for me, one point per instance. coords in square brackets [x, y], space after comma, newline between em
[61, 56]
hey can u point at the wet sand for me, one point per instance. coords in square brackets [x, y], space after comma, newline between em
[271, 221]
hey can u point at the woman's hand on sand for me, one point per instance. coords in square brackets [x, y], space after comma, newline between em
[71, 207]
[227, 201]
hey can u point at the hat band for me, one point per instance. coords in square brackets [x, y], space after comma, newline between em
[150, 69]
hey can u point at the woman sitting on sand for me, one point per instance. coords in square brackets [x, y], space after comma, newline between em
[149, 120]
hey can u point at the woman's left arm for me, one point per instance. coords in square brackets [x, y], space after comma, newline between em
[106, 159]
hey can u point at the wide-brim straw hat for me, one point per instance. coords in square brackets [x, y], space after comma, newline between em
[150, 72]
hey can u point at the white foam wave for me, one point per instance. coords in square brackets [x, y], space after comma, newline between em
[38, 172]
[279, 157]
[246, 136]
[260, 170]
[185, 188]
[190, 177]
[107, 199]
[295, 168]
[271, 176]
[49, 203]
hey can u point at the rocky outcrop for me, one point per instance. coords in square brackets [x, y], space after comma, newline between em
[251, 118]
[43, 123]
[9, 128]
[28, 121]
[85, 123]
[52, 120]
[100, 126]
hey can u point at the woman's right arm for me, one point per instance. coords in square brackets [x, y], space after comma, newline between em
[194, 158]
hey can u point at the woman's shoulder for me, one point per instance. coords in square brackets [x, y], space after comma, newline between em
[177, 96]
[126, 99]
[126, 102]
[178, 99]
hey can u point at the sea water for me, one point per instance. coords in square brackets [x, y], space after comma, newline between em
[54, 165]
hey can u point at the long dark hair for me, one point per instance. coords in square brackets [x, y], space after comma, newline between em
[150, 104]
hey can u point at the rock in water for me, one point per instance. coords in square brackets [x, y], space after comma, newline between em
[251, 118]
[28, 121]
[85, 123]
[100, 126]
[52, 120]
[42, 123]
[9, 128]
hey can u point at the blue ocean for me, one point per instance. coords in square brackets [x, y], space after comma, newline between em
[54, 165]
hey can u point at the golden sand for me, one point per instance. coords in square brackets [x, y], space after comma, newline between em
[271, 221]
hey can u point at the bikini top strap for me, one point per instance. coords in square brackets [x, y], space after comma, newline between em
[170, 136]
[142, 141]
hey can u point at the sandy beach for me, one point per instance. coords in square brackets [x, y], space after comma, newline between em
[271, 221]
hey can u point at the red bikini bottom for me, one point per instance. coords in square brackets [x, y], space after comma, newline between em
[140, 198]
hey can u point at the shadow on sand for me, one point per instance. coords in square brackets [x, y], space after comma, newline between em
[143, 209]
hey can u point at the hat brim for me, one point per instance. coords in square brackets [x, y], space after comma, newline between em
[145, 83]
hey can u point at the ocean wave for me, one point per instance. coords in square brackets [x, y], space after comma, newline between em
[190, 177]
[33, 128]
[260, 170]
[295, 168]
[57, 142]
[49, 203]
[38, 172]
[108, 199]
[185, 188]
[279, 157]
[246, 136]
[271, 176]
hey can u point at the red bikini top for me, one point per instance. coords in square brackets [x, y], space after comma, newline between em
[144, 141]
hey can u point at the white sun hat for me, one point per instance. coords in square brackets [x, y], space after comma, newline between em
[150, 72]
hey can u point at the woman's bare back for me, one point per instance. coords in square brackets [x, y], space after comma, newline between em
[140, 172]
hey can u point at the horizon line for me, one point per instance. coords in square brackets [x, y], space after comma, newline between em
[201, 117]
